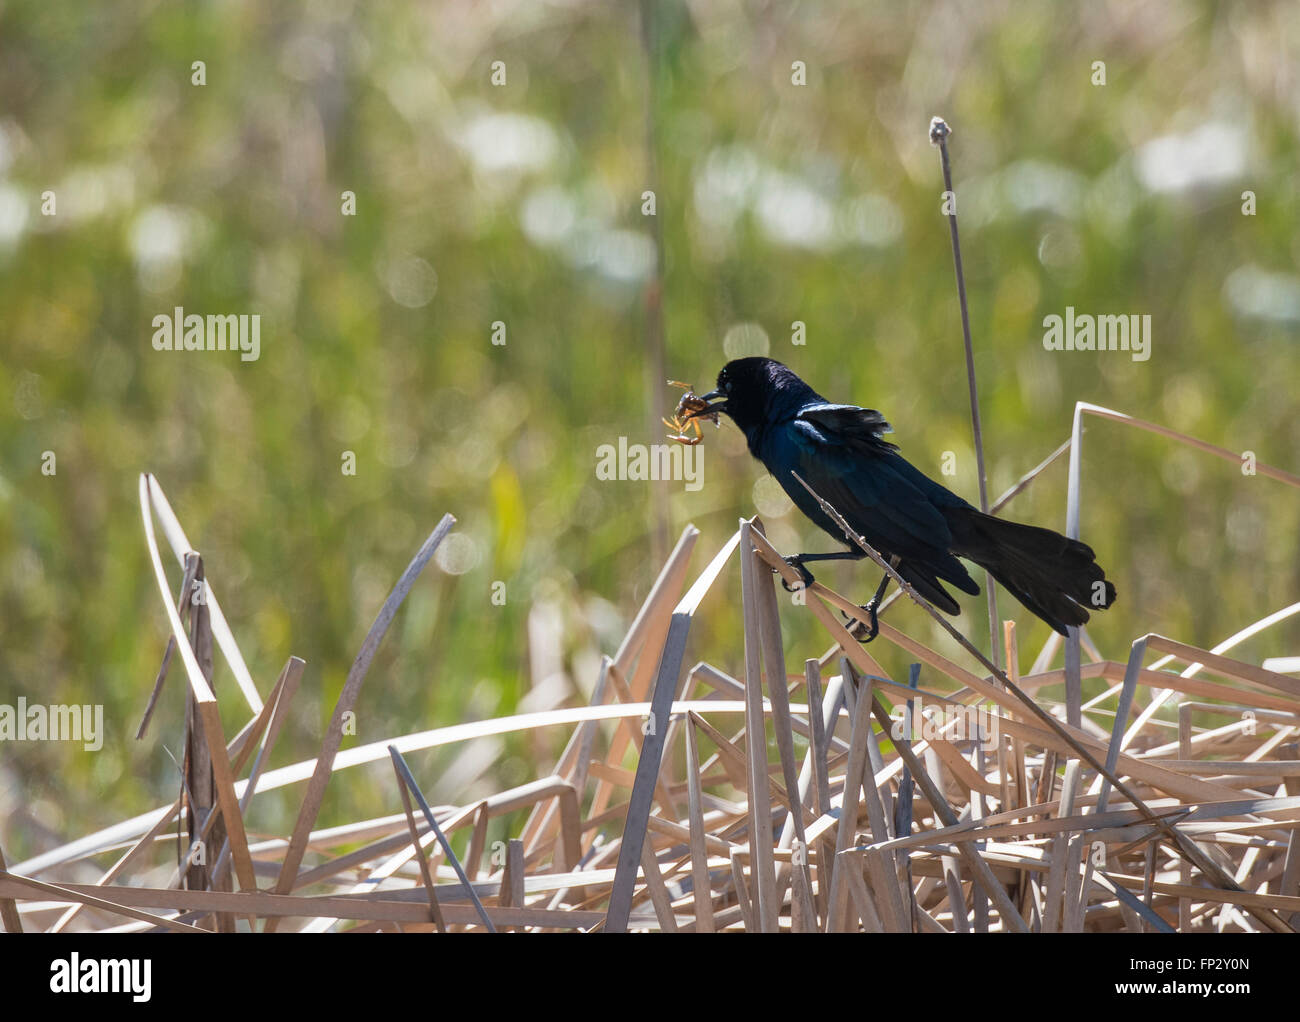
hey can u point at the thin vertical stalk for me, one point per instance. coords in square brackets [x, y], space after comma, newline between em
[654, 311]
[939, 133]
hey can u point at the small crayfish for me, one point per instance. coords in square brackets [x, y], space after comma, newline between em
[687, 414]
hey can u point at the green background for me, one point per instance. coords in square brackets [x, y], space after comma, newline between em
[522, 204]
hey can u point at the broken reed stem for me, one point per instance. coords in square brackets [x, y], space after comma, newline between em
[347, 699]
[404, 772]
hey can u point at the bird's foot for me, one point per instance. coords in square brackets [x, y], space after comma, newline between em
[804, 574]
[864, 631]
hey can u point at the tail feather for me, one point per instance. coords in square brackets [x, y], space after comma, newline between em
[1055, 577]
[927, 583]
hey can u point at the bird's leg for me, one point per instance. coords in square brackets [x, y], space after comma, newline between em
[797, 562]
[867, 632]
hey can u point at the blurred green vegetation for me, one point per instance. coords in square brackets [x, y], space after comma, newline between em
[522, 203]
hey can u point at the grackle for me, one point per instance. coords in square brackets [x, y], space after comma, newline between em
[912, 521]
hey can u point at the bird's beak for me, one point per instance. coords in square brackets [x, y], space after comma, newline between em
[712, 409]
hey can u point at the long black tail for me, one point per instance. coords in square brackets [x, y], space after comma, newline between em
[1057, 578]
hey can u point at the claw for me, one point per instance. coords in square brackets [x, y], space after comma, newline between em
[865, 632]
[804, 573]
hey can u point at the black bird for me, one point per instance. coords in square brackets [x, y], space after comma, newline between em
[921, 526]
